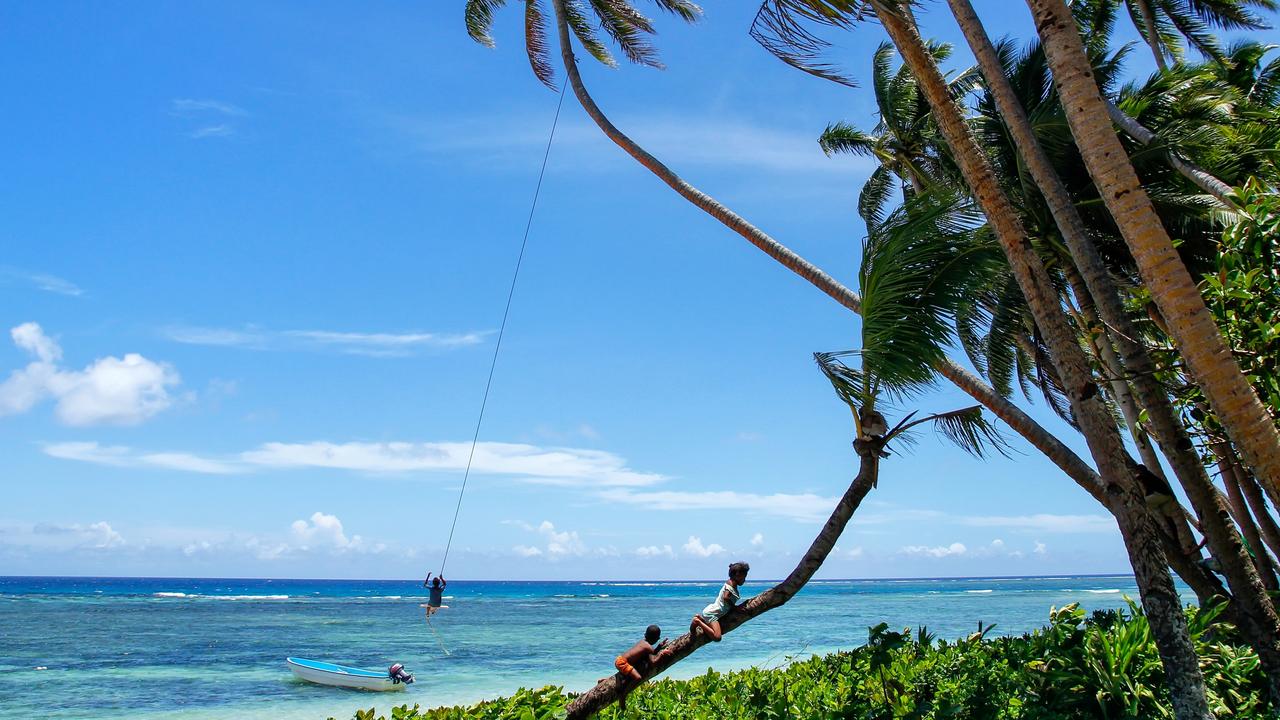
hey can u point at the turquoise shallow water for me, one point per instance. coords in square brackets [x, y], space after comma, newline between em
[150, 648]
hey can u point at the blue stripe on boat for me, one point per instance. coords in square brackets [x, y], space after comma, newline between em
[338, 669]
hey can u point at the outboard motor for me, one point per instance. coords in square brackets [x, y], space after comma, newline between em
[398, 675]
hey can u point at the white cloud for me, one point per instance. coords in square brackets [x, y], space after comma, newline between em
[1040, 548]
[40, 281]
[376, 344]
[63, 536]
[212, 118]
[804, 507]
[695, 548]
[856, 552]
[391, 344]
[531, 463]
[109, 391]
[191, 106]
[31, 338]
[212, 131]
[651, 551]
[940, 551]
[187, 463]
[685, 141]
[323, 529]
[556, 466]
[321, 533]
[121, 456]
[556, 544]
[1044, 522]
[222, 337]
[757, 540]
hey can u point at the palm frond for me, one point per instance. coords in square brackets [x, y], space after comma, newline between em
[783, 28]
[628, 29]
[851, 384]
[536, 44]
[1097, 20]
[968, 428]
[917, 268]
[576, 17]
[479, 18]
[682, 9]
[875, 195]
[1227, 14]
[841, 137]
[1197, 33]
[881, 78]
[1051, 387]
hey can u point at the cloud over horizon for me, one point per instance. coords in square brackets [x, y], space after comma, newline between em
[369, 344]
[529, 463]
[108, 391]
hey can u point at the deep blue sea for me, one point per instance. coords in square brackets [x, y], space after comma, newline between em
[148, 648]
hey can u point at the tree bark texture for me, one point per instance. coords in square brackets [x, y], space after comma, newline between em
[1258, 504]
[1240, 511]
[1142, 538]
[1261, 625]
[613, 688]
[1191, 325]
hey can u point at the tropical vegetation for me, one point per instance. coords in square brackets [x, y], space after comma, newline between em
[1107, 246]
[1103, 666]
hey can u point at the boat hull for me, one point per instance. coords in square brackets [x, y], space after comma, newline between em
[323, 673]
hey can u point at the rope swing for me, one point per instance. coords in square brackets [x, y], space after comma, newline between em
[502, 329]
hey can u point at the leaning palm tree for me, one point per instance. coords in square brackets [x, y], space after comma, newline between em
[1136, 524]
[1259, 621]
[1174, 292]
[1102, 488]
[910, 291]
[479, 21]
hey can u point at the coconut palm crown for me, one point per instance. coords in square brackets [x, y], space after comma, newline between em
[627, 27]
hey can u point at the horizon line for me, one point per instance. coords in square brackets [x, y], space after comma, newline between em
[625, 580]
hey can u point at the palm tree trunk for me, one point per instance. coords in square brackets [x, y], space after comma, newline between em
[1142, 539]
[1062, 456]
[1240, 511]
[613, 689]
[1200, 177]
[1192, 326]
[1261, 626]
[1095, 331]
[1257, 503]
[1075, 467]
[1150, 33]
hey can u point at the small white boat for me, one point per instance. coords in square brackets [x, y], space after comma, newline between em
[324, 673]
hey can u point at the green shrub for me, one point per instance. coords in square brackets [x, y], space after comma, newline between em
[1105, 666]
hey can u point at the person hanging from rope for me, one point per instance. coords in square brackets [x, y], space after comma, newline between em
[708, 621]
[436, 601]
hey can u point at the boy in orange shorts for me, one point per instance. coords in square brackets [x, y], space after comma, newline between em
[633, 663]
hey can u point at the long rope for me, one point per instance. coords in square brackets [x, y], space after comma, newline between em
[438, 640]
[502, 329]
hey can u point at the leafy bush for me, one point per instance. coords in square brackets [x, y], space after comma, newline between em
[1105, 666]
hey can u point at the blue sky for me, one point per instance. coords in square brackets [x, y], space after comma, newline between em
[256, 255]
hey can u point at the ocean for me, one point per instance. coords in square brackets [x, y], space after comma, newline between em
[160, 648]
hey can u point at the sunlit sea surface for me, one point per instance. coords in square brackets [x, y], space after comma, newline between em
[148, 648]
